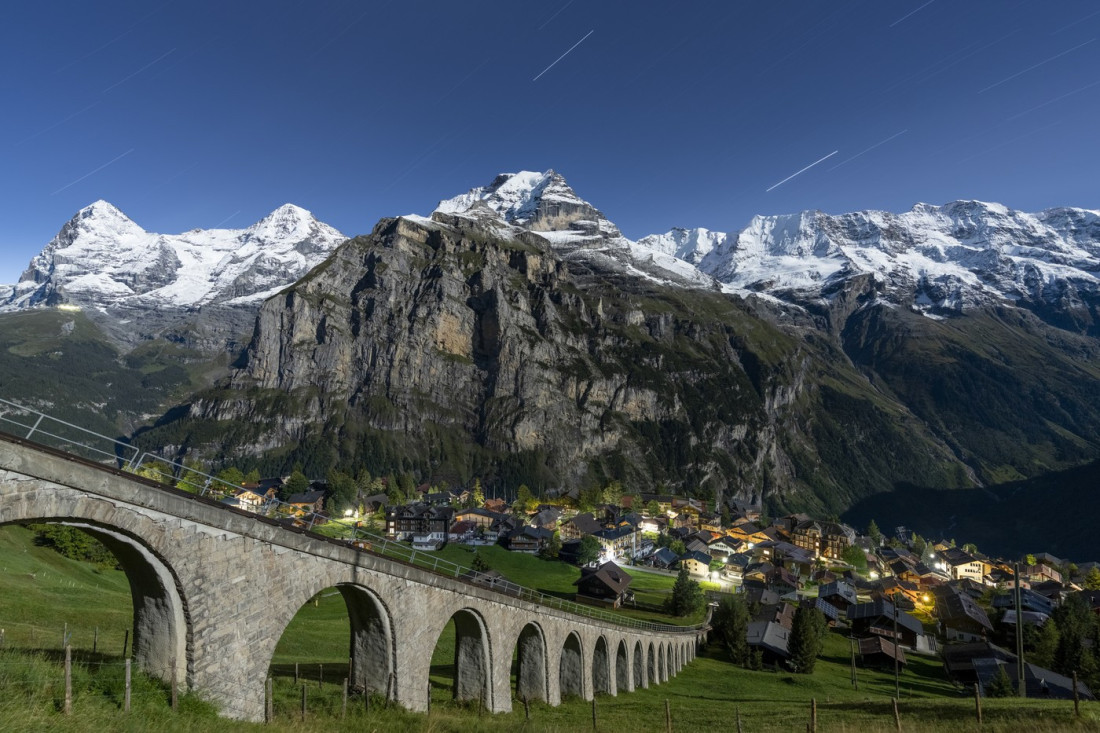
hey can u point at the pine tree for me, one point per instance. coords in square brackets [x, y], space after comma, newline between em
[874, 533]
[296, 484]
[1092, 580]
[479, 564]
[1000, 685]
[687, 596]
[730, 623]
[807, 639]
[477, 496]
[1045, 647]
[589, 551]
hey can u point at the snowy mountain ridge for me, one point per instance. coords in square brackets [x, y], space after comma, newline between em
[932, 257]
[545, 204]
[102, 259]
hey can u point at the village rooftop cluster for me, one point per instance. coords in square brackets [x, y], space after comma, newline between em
[892, 595]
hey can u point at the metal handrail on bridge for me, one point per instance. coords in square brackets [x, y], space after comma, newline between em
[153, 467]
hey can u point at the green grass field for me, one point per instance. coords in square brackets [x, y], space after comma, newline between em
[40, 591]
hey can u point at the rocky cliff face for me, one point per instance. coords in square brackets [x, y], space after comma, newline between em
[459, 347]
[516, 336]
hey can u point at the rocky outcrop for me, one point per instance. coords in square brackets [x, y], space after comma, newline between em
[457, 347]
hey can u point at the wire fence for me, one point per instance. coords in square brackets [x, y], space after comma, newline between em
[41, 428]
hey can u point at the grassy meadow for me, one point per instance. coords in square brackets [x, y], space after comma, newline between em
[40, 592]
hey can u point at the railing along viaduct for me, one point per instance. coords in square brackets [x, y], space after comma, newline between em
[214, 589]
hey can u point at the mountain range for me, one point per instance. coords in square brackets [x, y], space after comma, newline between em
[516, 335]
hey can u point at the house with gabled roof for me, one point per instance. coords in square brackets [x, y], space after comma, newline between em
[771, 639]
[824, 539]
[839, 593]
[579, 526]
[606, 585]
[960, 617]
[696, 562]
[877, 618]
[961, 564]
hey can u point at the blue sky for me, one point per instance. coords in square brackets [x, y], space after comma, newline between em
[200, 114]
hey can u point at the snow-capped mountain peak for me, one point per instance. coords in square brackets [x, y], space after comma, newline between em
[102, 259]
[933, 258]
[545, 204]
[286, 221]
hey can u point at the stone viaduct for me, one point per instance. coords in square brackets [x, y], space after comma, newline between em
[213, 590]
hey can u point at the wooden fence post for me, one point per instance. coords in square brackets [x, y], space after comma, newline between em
[295, 673]
[813, 715]
[126, 697]
[344, 704]
[269, 701]
[978, 704]
[125, 643]
[526, 709]
[739, 720]
[668, 717]
[321, 676]
[175, 684]
[95, 640]
[68, 679]
[1076, 697]
[594, 724]
[897, 717]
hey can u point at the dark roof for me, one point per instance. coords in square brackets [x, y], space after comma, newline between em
[613, 534]
[830, 611]
[760, 595]
[609, 574]
[959, 658]
[306, 497]
[878, 645]
[1038, 682]
[585, 523]
[884, 609]
[838, 588]
[1029, 599]
[957, 556]
[537, 533]
[696, 555]
[952, 607]
[665, 556]
[769, 635]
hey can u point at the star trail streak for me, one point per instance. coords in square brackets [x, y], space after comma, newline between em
[559, 58]
[811, 165]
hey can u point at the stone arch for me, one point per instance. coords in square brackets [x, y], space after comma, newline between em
[531, 676]
[162, 634]
[651, 667]
[601, 667]
[640, 679]
[669, 669]
[662, 667]
[472, 679]
[571, 667]
[623, 678]
[372, 641]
